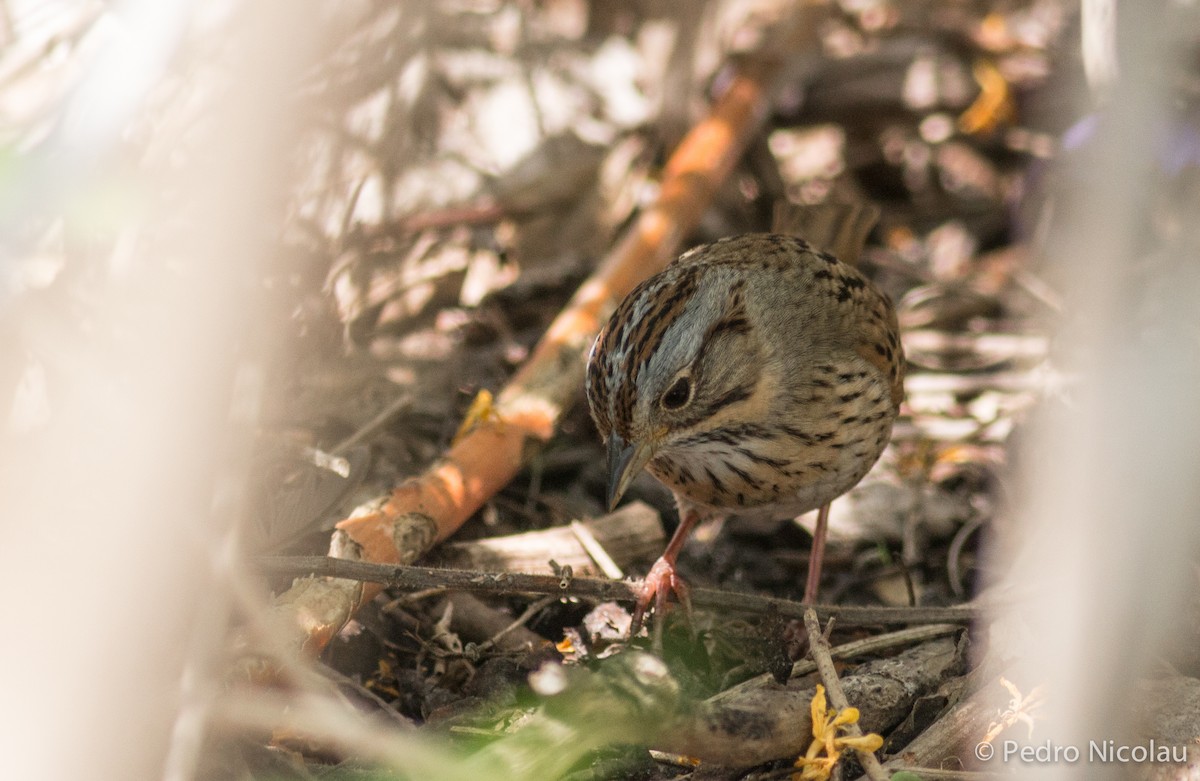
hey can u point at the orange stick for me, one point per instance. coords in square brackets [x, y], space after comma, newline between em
[432, 506]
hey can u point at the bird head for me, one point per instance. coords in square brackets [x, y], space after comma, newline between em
[675, 360]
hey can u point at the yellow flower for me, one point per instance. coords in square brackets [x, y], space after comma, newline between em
[482, 410]
[825, 727]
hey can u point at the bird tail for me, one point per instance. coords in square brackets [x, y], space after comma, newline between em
[838, 228]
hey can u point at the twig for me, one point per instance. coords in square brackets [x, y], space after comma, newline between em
[937, 774]
[374, 424]
[953, 570]
[594, 549]
[416, 578]
[386, 709]
[518, 622]
[818, 648]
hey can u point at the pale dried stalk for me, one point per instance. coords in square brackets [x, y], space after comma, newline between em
[818, 647]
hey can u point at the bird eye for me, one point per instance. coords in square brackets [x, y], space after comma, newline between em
[678, 394]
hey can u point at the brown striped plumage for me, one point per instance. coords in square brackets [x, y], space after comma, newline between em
[795, 370]
[755, 375]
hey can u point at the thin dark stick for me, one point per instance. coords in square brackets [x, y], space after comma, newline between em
[417, 578]
[373, 425]
[520, 621]
[940, 774]
[953, 555]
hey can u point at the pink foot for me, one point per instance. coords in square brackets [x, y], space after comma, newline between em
[660, 581]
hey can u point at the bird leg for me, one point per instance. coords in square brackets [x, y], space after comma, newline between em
[816, 556]
[662, 579]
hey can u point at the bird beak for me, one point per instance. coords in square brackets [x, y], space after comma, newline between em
[625, 461]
